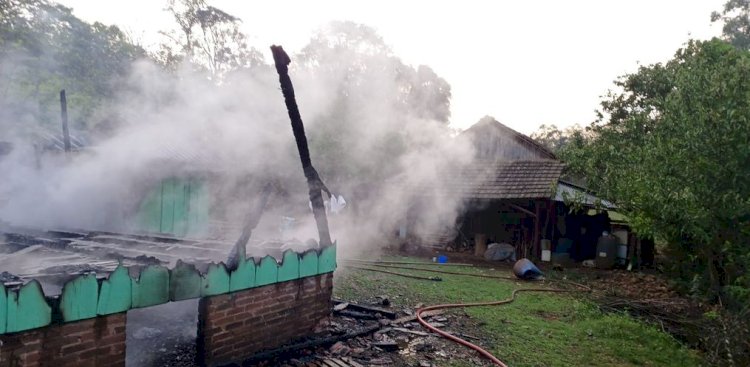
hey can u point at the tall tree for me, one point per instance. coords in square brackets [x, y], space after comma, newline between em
[208, 37]
[378, 102]
[671, 151]
[553, 137]
[736, 18]
[45, 48]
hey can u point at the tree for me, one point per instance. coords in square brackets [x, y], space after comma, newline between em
[671, 151]
[208, 37]
[376, 103]
[45, 48]
[553, 138]
[736, 18]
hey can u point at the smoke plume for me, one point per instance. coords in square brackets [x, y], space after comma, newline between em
[373, 141]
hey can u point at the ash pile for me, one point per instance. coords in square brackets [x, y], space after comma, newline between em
[378, 333]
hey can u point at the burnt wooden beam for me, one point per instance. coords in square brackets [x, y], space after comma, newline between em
[354, 306]
[239, 251]
[314, 183]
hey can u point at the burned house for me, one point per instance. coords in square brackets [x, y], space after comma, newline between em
[66, 295]
[84, 297]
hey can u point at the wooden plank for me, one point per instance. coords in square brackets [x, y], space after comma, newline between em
[115, 294]
[27, 308]
[289, 268]
[149, 213]
[327, 260]
[338, 362]
[354, 306]
[151, 288]
[244, 276]
[267, 272]
[167, 205]
[198, 207]
[216, 280]
[330, 363]
[308, 264]
[3, 308]
[181, 202]
[353, 363]
[184, 282]
[79, 298]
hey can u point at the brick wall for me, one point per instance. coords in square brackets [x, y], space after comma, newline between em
[234, 326]
[93, 342]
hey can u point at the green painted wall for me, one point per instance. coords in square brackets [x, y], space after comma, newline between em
[84, 297]
[176, 206]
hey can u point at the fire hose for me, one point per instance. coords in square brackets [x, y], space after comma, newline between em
[436, 279]
[512, 298]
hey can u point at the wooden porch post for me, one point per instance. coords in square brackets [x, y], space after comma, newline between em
[535, 248]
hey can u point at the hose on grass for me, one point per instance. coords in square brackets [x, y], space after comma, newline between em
[464, 342]
[454, 338]
[434, 279]
[372, 262]
[445, 272]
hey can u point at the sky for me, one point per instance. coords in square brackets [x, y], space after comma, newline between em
[526, 63]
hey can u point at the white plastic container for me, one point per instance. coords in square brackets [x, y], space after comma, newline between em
[546, 255]
[622, 251]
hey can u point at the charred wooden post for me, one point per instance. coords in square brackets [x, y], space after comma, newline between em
[239, 250]
[64, 117]
[314, 183]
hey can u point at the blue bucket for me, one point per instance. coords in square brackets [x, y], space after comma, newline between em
[442, 259]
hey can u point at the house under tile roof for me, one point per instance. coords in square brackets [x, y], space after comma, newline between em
[504, 180]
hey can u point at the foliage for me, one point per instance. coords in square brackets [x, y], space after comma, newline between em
[45, 48]
[538, 329]
[736, 18]
[208, 38]
[553, 138]
[671, 151]
[378, 101]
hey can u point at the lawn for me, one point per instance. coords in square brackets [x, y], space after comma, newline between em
[538, 329]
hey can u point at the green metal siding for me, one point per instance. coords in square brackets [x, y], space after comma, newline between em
[177, 206]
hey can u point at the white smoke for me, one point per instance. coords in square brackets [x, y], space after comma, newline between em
[182, 124]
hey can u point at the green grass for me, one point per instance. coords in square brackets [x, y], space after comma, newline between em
[538, 329]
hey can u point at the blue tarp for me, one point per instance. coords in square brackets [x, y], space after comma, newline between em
[525, 269]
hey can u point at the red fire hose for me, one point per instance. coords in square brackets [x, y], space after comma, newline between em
[512, 298]
[463, 342]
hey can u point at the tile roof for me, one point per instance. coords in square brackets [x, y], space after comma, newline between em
[494, 140]
[504, 179]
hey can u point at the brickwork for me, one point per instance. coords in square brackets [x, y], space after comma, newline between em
[94, 342]
[234, 326]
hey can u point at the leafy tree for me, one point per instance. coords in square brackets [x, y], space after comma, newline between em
[553, 138]
[208, 37]
[45, 48]
[671, 151]
[378, 104]
[736, 18]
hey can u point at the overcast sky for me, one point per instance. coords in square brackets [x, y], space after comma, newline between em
[524, 62]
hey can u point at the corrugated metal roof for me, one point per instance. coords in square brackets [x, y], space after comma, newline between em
[570, 192]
